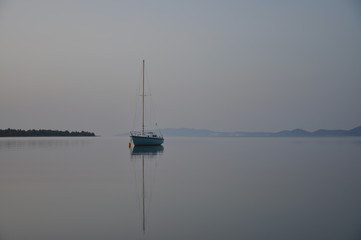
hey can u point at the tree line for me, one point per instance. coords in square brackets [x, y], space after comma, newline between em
[43, 133]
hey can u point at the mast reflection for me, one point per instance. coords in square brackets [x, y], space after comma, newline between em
[142, 153]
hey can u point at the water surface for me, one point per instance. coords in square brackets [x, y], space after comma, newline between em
[192, 188]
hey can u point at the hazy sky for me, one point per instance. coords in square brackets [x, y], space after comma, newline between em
[223, 65]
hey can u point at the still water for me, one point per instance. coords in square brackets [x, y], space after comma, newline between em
[192, 188]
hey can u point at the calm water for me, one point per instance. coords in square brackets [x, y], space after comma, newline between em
[193, 188]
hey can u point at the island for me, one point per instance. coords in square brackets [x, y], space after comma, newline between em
[43, 133]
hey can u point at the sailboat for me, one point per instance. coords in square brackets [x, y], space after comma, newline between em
[143, 137]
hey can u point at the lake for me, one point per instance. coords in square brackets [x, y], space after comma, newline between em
[192, 188]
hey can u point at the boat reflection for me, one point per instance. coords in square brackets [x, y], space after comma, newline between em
[148, 151]
[145, 153]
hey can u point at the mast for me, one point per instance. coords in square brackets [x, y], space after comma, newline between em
[143, 101]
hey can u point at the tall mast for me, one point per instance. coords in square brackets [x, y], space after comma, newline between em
[143, 101]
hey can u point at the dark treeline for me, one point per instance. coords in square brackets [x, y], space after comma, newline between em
[42, 133]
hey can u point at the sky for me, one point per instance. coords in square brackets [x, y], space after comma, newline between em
[226, 65]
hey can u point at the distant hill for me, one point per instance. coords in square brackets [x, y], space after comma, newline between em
[42, 133]
[190, 132]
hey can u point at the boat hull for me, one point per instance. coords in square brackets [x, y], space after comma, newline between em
[146, 141]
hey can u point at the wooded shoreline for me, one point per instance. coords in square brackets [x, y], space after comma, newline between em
[43, 133]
